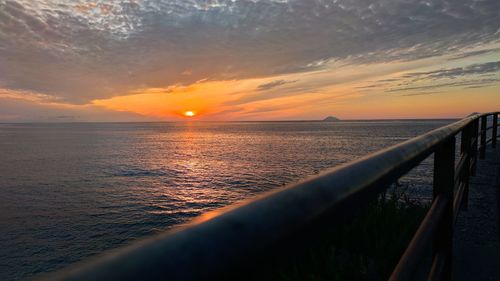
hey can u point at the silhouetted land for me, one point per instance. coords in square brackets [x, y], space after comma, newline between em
[331, 119]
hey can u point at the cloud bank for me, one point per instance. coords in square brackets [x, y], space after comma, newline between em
[79, 51]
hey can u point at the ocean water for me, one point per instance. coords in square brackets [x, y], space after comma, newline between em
[70, 191]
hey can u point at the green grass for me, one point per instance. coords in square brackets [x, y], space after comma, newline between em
[368, 248]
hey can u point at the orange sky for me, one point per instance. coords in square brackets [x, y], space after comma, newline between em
[70, 61]
[345, 91]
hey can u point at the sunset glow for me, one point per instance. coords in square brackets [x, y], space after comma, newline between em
[124, 119]
[149, 62]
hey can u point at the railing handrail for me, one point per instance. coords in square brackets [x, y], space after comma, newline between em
[219, 241]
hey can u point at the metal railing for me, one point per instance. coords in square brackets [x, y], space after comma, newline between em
[450, 190]
[220, 242]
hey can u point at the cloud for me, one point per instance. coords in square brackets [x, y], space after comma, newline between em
[475, 83]
[421, 93]
[27, 95]
[79, 51]
[18, 109]
[468, 76]
[475, 53]
[274, 84]
[475, 69]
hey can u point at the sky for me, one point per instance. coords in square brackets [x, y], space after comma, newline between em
[231, 60]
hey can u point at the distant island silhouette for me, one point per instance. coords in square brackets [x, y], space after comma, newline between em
[331, 119]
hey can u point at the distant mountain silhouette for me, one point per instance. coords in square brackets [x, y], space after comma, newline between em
[331, 119]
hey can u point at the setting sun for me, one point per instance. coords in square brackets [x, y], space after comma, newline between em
[189, 114]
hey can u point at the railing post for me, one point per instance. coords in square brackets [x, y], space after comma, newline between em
[494, 131]
[444, 180]
[466, 150]
[482, 149]
[475, 126]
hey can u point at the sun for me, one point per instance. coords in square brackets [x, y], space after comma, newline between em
[189, 114]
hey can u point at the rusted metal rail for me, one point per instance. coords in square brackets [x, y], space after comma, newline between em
[214, 245]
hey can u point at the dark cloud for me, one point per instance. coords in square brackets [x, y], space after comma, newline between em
[421, 93]
[291, 91]
[475, 53]
[79, 51]
[274, 84]
[475, 69]
[470, 76]
[475, 83]
[20, 110]
[373, 86]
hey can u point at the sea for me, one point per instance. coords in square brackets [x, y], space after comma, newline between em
[69, 191]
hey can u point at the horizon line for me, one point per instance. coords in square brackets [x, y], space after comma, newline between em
[236, 121]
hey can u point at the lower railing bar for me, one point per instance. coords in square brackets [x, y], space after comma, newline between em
[473, 163]
[438, 266]
[460, 165]
[474, 143]
[495, 131]
[482, 147]
[464, 173]
[422, 238]
[475, 140]
[457, 201]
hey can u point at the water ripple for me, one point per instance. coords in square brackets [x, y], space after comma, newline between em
[72, 191]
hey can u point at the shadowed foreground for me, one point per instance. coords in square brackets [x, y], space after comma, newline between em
[476, 252]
